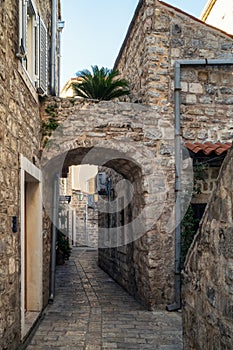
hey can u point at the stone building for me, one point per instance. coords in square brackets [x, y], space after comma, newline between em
[180, 71]
[27, 73]
[174, 61]
[79, 217]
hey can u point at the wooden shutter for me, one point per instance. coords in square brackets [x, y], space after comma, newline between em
[22, 28]
[43, 58]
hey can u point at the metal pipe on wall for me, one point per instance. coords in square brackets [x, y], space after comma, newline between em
[61, 25]
[54, 236]
[178, 163]
[53, 48]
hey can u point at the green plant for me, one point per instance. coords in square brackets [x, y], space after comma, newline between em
[188, 231]
[52, 110]
[199, 175]
[49, 126]
[189, 222]
[63, 247]
[101, 84]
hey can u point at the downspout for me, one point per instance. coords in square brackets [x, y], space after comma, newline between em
[53, 47]
[60, 28]
[54, 237]
[178, 162]
[177, 89]
[86, 227]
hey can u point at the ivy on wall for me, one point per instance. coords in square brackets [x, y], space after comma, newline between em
[189, 222]
[50, 124]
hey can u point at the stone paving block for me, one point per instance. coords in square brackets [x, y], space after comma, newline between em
[100, 314]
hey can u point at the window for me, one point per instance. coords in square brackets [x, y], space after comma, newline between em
[33, 45]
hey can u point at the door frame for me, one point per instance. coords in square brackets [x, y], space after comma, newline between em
[31, 175]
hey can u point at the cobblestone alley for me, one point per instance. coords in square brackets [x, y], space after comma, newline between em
[93, 312]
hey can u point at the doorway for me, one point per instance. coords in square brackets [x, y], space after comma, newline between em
[31, 245]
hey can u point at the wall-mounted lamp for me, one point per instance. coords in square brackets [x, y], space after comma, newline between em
[60, 25]
[80, 196]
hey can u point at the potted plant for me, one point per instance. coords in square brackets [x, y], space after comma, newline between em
[63, 250]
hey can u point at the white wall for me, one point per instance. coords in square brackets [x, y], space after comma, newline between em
[221, 15]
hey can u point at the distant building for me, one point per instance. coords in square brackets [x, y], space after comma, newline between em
[67, 90]
[219, 13]
[79, 219]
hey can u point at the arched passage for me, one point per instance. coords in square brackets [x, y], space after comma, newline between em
[131, 140]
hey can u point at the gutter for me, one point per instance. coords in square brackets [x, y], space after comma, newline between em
[60, 28]
[53, 48]
[54, 237]
[178, 162]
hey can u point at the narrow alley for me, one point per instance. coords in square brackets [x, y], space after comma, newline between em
[92, 312]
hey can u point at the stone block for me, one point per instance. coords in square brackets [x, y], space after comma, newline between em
[195, 88]
[190, 99]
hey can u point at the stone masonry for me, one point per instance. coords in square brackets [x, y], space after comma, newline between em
[134, 140]
[91, 311]
[158, 36]
[20, 127]
[208, 273]
[129, 139]
[86, 222]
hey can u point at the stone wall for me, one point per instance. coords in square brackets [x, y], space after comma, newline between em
[118, 259]
[140, 139]
[158, 36]
[86, 222]
[208, 273]
[130, 139]
[20, 127]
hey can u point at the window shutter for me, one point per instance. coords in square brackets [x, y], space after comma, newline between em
[43, 64]
[22, 28]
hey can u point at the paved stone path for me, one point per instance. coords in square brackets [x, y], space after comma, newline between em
[92, 312]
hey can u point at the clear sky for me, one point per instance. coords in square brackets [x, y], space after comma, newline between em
[95, 29]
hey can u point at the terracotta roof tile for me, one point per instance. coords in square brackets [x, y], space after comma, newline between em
[208, 147]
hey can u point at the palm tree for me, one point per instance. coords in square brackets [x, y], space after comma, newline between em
[101, 84]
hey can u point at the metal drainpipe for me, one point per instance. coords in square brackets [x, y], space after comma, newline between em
[53, 47]
[178, 162]
[54, 236]
[61, 25]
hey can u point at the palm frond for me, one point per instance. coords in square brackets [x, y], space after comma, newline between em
[101, 84]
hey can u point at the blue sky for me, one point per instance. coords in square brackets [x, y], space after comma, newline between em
[95, 29]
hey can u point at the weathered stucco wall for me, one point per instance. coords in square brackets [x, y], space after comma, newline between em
[20, 126]
[208, 273]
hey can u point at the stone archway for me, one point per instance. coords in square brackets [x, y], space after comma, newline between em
[132, 140]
